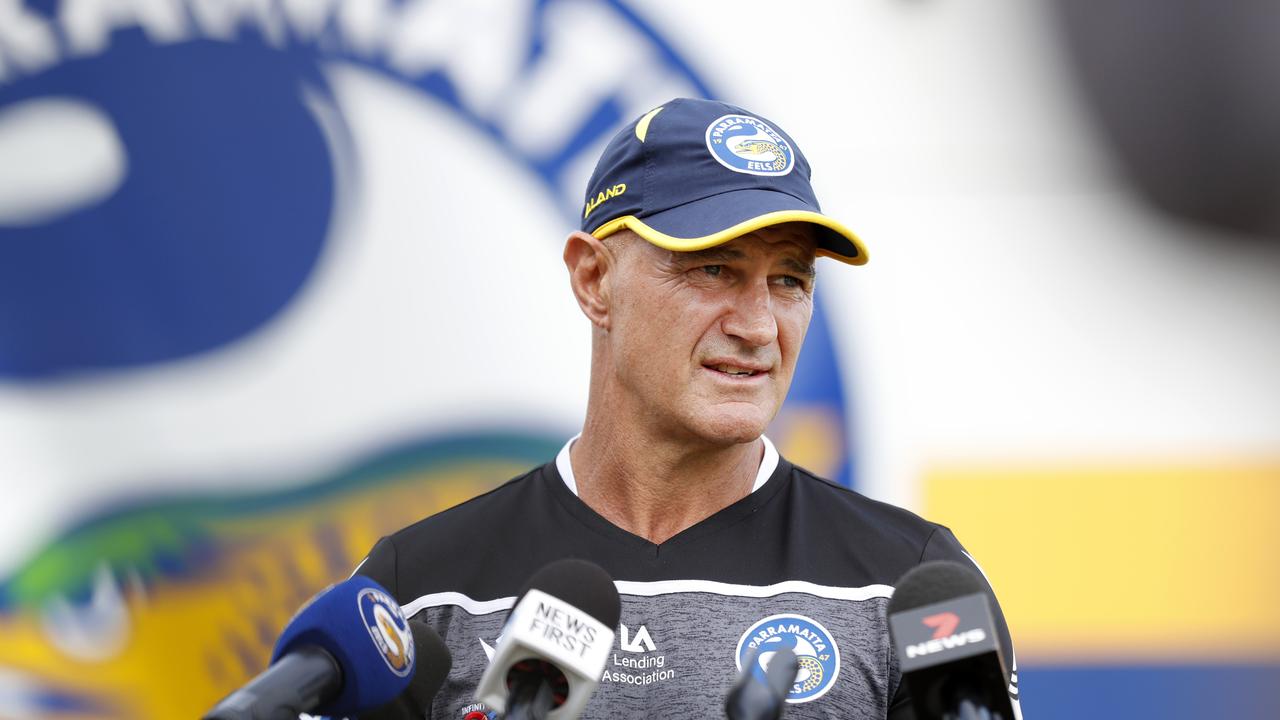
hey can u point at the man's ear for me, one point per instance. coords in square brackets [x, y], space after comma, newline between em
[589, 263]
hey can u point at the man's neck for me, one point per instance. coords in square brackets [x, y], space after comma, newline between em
[657, 487]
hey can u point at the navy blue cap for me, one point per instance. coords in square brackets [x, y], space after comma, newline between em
[692, 174]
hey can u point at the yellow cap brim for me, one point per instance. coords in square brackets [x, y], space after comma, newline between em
[678, 244]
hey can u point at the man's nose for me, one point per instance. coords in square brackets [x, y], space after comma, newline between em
[751, 315]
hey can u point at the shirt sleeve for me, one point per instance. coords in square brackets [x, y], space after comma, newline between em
[943, 545]
[380, 566]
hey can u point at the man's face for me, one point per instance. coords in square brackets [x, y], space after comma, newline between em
[706, 342]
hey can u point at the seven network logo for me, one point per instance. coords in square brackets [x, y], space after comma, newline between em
[945, 637]
[943, 624]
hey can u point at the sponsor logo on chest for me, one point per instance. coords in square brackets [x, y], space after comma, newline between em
[637, 660]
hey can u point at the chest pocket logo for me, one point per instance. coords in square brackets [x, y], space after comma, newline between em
[814, 646]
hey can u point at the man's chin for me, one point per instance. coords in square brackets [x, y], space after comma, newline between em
[729, 428]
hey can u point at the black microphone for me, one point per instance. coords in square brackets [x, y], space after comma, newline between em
[942, 628]
[762, 687]
[554, 645]
[432, 664]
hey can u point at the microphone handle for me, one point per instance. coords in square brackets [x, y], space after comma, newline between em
[296, 683]
[971, 708]
[531, 699]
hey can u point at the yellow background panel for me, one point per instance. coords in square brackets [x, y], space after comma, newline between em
[1124, 562]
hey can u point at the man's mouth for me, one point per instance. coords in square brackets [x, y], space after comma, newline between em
[735, 370]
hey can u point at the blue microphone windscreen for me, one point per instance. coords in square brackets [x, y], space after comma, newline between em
[361, 626]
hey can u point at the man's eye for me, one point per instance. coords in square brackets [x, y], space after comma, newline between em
[790, 281]
[713, 270]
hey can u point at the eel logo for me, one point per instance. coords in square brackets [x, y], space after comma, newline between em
[388, 629]
[943, 624]
[747, 145]
[814, 646]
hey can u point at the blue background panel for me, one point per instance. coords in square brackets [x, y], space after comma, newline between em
[1164, 692]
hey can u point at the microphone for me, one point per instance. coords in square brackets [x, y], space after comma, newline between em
[554, 645]
[942, 628]
[346, 650]
[762, 687]
[432, 663]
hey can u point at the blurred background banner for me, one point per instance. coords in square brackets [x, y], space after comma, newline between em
[278, 277]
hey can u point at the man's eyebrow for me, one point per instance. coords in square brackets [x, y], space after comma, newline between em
[711, 254]
[722, 254]
[799, 266]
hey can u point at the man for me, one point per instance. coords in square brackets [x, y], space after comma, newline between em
[695, 267]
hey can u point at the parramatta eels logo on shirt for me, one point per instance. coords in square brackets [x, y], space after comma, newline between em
[814, 646]
[745, 144]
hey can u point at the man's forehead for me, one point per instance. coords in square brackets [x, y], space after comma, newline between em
[802, 235]
[798, 239]
[794, 241]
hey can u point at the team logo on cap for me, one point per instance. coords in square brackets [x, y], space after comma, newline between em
[813, 645]
[387, 627]
[746, 145]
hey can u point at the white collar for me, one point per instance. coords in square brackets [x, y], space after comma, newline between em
[768, 464]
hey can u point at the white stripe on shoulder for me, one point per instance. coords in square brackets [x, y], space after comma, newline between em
[362, 562]
[471, 605]
[1013, 659]
[668, 587]
[662, 587]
